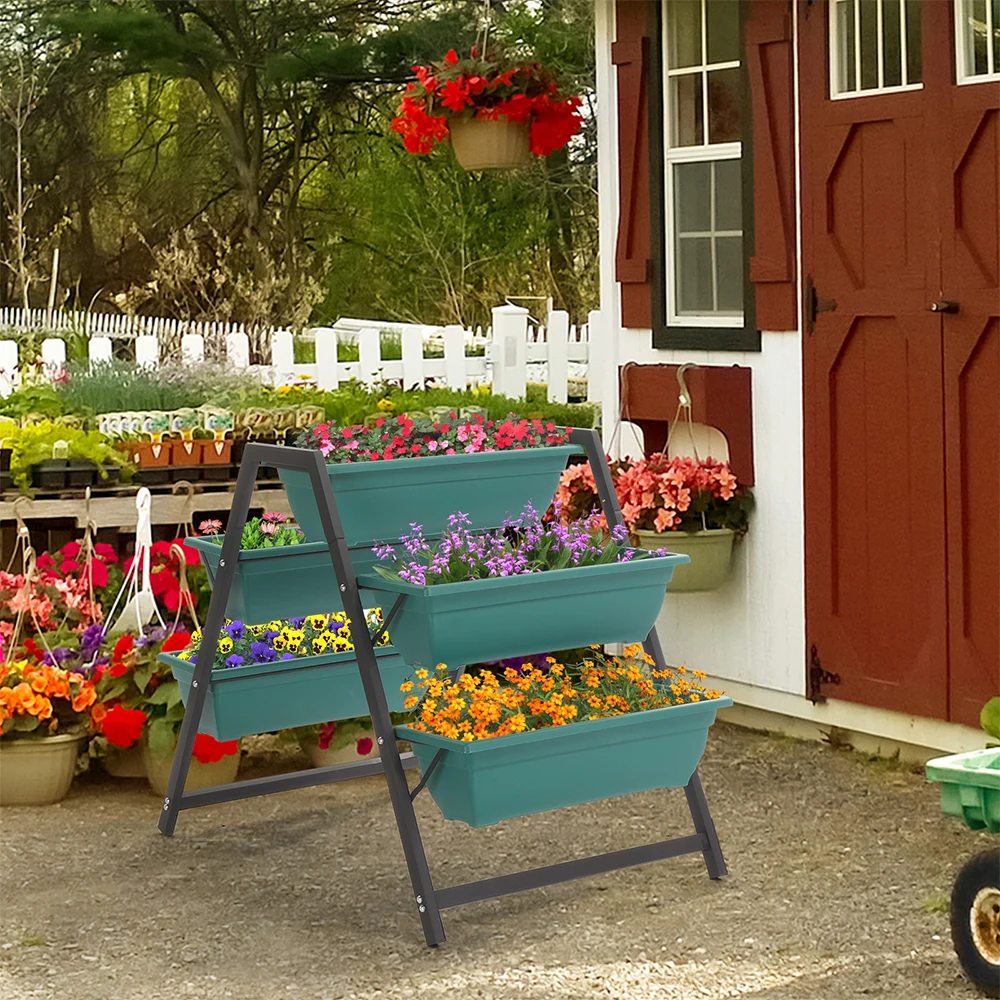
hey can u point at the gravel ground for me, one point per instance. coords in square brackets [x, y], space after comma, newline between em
[839, 869]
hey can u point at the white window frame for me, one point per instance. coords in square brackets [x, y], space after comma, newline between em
[704, 153]
[835, 93]
[962, 74]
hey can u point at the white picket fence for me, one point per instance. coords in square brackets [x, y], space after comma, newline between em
[515, 352]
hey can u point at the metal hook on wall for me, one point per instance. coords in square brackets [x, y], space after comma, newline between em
[185, 527]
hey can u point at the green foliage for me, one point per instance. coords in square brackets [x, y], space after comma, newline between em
[34, 443]
[936, 902]
[989, 718]
[28, 399]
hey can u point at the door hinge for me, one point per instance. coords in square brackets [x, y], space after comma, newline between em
[816, 677]
[813, 304]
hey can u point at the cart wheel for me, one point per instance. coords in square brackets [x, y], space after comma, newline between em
[975, 921]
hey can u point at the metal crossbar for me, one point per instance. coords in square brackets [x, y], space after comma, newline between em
[429, 901]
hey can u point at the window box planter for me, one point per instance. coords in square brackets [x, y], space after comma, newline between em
[490, 145]
[379, 500]
[477, 620]
[50, 474]
[265, 697]
[710, 552]
[38, 772]
[485, 781]
[288, 581]
[80, 473]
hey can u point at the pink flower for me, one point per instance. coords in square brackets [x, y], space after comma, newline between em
[364, 746]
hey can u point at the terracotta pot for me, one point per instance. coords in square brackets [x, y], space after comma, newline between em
[484, 145]
[340, 755]
[186, 452]
[711, 553]
[128, 763]
[38, 772]
[147, 454]
[222, 772]
[216, 452]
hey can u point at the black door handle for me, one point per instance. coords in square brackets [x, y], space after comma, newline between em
[944, 306]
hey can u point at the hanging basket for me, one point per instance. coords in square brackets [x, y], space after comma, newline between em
[500, 617]
[287, 581]
[485, 781]
[379, 500]
[490, 145]
[710, 552]
[266, 697]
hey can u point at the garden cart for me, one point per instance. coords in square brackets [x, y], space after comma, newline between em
[970, 789]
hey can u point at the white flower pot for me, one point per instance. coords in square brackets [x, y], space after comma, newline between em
[486, 145]
[222, 772]
[341, 754]
[38, 771]
[711, 553]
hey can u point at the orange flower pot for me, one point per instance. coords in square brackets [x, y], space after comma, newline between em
[186, 452]
[217, 452]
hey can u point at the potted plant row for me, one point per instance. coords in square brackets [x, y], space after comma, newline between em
[686, 505]
[535, 739]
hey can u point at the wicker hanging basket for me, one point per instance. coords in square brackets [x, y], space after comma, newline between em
[490, 145]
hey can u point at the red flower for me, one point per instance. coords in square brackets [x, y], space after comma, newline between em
[364, 746]
[70, 550]
[98, 573]
[123, 726]
[210, 751]
[69, 566]
[326, 732]
[45, 561]
[106, 552]
[118, 669]
[451, 57]
[178, 640]
[124, 645]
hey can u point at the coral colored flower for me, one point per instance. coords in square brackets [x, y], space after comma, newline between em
[208, 750]
[123, 726]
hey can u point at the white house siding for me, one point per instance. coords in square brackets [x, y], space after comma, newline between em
[752, 630]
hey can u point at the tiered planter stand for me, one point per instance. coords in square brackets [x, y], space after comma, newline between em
[480, 783]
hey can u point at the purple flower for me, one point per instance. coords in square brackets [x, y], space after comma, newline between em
[262, 652]
[295, 622]
[235, 661]
[235, 630]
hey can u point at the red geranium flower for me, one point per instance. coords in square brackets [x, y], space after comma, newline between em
[123, 726]
[210, 751]
[364, 746]
[178, 640]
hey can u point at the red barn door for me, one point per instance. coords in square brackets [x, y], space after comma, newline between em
[900, 422]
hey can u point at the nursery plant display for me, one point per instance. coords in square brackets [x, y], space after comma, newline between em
[535, 739]
[562, 584]
[690, 506]
[488, 468]
[45, 713]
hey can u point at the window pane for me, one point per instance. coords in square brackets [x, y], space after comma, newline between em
[892, 65]
[729, 264]
[685, 101]
[724, 96]
[693, 197]
[869, 44]
[694, 275]
[914, 59]
[845, 47]
[722, 19]
[996, 36]
[684, 32]
[728, 196]
[976, 58]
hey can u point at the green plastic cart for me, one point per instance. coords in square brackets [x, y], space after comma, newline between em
[970, 790]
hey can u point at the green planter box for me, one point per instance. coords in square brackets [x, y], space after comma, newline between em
[288, 581]
[265, 697]
[459, 623]
[970, 787]
[485, 781]
[378, 501]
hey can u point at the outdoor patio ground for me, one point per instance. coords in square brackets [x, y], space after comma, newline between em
[839, 866]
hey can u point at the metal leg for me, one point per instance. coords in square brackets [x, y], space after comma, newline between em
[399, 793]
[714, 861]
[206, 651]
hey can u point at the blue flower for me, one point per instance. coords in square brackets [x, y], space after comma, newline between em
[235, 660]
[296, 622]
[287, 656]
[235, 630]
[262, 652]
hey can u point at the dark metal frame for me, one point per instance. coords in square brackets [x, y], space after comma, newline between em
[429, 901]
